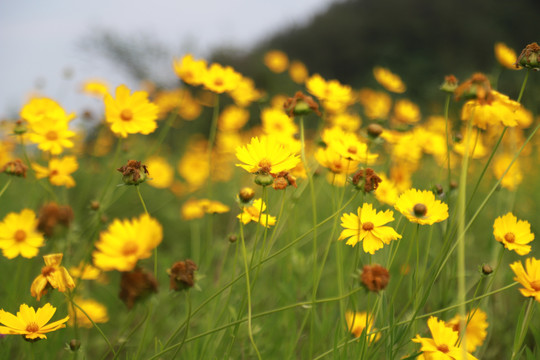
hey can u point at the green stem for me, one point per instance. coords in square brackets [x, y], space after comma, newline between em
[188, 311]
[248, 289]
[520, 336]
[522, 90]
[163, 133]
[6, 186]
[111, 348]
[446, 111]
[211, 140]
[155, 249]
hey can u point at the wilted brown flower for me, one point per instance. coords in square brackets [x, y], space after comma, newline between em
[181, 275]
[370, 180]
[375, 277]
[283, 179]
[133, 173]
[450, 84]
[15, 167]
[477, 88]
[135, 285]
[52, 214]
[529, 57]
[301, 104]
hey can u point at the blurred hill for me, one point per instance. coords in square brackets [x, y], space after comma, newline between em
[420, 40]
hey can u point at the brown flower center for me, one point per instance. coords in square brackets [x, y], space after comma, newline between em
[126, 115]
[218, 82]
[32, 327]
[510, 237]
[352, 150]
[20, 235]
[443, 348]
[47, 270]
[368, 226]
[535, 285]
[420, 210]
[130, 248]
[265, 165]
[51, 135]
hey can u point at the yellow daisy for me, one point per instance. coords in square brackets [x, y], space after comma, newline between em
[368, 227]
[505, 56]
[389, 80]
[358, 321]
[265, 156]
[95, 310]
[51, 136]
[514, 234]
[30, 323]
[442, 344]
[421, 207]
[529, 277]
[127, 241]
[476, 328]
[130, 113]
[59, 171]
[298, 72]
[18, 235]
[254, 213]
[220, 79]
[161, 172]
[52, 276]
[191, 71]
[276, 60]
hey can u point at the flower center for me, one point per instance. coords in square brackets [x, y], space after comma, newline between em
[510, 237]
[126, 115]
[253, 211]
[368, 226]
[47, 270]
[420, 210]
[32, 327]
[535, 285]
[218, 82]
[443, 348]
[352, 150]
[20, 235]
[129, 248]
[265, 165]
[51, 135]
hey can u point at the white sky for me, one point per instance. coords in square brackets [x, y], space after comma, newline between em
[38, 39]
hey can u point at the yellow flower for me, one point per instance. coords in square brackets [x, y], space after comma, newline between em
[276, 60]
[96, 311]
[254, 213]
[333, 161]
[30, 323]
[505, 56]
[528, 277]
[389, 80]
[276, 122]
[476, 328]
[180, 100]
[98, 88]
[220, 79]
[59, 171]
[346, 121]
[194, 166]
[52, 275]
[406, 112]
[334, 96]
[368, 227]
[298, 72]
[356, 323]
[125, 242]
[442, 344]
[85, 271]
[421, 207]
[38, 109]
[348, 145]
[18, 235]
[245, 93]
[51, 136]
[502, 110]
[161, 173]
[265, 156]
[376, 104]
[232, 118]
[387, 191]
[513, 177]
[130, 113]
[191, 71]
[195, 209]
[514, 234]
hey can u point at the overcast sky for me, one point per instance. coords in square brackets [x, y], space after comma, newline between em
[39, 39]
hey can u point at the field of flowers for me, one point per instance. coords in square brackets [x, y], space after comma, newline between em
[218, 220]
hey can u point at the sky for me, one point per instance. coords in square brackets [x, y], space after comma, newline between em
[40, 39]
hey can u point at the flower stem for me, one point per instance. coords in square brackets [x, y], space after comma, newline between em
[95, 326]
[520, 336]
[188, 311]
[5, 186]
[522, 90]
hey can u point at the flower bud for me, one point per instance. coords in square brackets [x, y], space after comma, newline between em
[529, 57]
[74, 345]
[486, 269]
[374, 130]
[19, 128]
[300, 105]
[233, 238]
[450, 84]
[94, 205]
[246, 194]
[477, 88]
[264, 179]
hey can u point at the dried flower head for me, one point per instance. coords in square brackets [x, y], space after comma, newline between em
[136, 285]
[52, 214]
[15, 168]
[529, 57]
[450, 84]
[282, 180]
[181, 275]
[301, 104]
[375, 277]
[477, 87]
[133, 173]
[366, 180]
